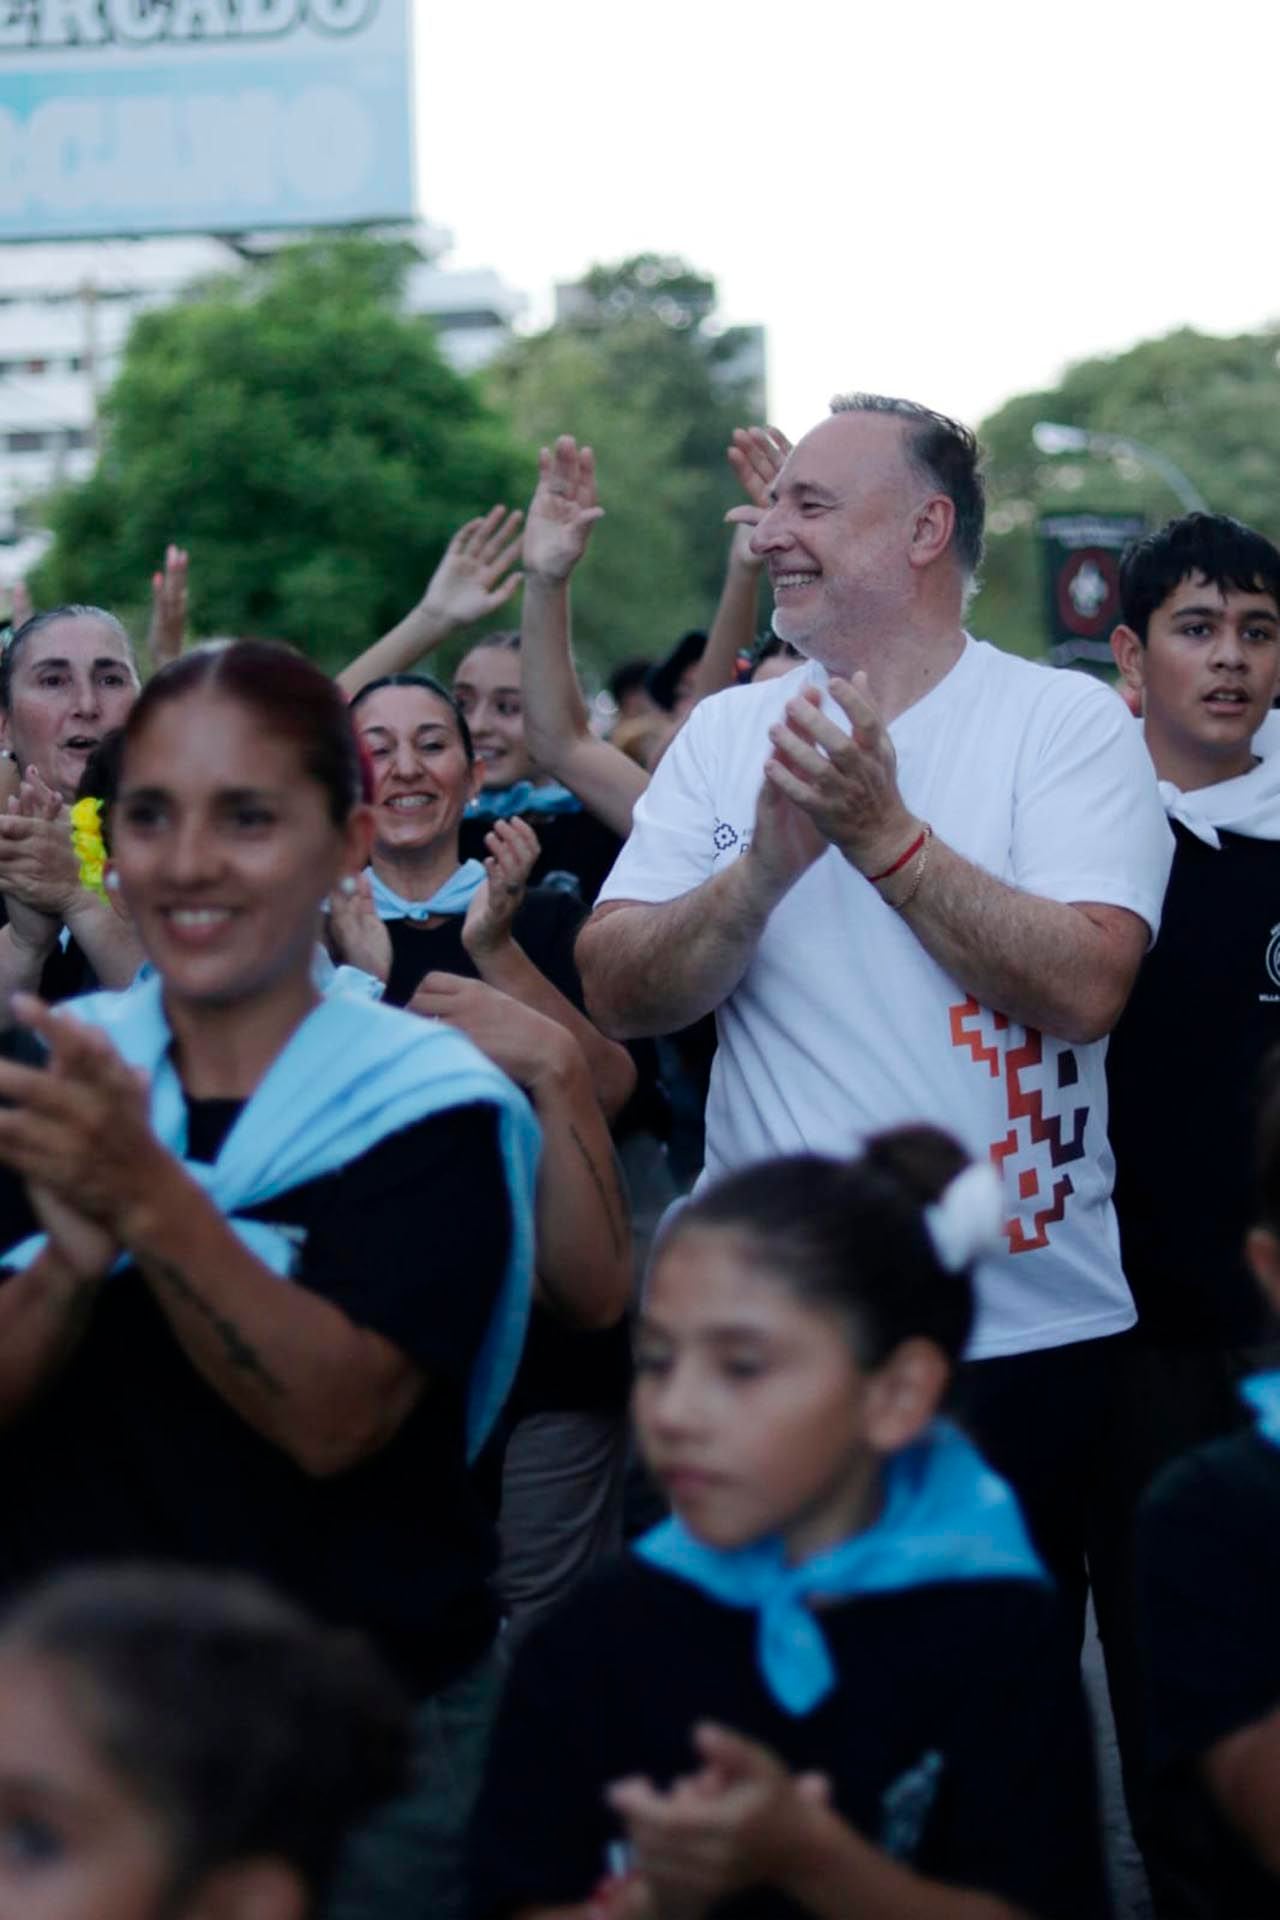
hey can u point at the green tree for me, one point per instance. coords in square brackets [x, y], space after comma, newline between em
[638, 369]
[303, 437]
[1212, 406]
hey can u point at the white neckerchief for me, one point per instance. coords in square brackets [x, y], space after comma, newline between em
[1248, 805]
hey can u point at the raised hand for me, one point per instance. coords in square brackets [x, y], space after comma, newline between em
[756, 455]
[356, 930]
[562, 512]
[167, 632]
[20, 607]
[513, 849]
[474, 577]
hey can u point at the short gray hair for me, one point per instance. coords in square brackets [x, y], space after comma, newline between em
[946, 456]
[52, 617]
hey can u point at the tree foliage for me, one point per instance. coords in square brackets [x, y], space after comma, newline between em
[637, 369]
[1210, 405]
[304, 439]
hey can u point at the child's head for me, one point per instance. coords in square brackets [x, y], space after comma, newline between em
[1200, 638]
[801, 1324]
[175, 1744]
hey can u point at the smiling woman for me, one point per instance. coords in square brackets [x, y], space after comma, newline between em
[266, 1383]
[67, 678]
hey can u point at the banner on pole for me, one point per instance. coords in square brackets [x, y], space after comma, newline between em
[1081, 555]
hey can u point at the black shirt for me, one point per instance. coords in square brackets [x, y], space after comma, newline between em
[578, 851]
[1209, 1580]
[130, 1453]
[1182, 1074]
[956, 1736]
[545, 927]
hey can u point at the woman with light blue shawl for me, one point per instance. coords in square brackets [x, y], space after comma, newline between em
[269, 1255]
[835, 1682]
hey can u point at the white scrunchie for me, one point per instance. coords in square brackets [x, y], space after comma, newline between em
[967, 1217]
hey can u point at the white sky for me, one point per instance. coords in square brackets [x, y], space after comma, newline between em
[948, 201]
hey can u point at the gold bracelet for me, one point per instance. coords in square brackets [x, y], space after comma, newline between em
[922, 861]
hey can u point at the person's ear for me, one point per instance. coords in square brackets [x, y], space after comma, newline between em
[1262, 1251]
[931, 530]
[1130, 657]
[259, 1888]
[475, 778]
[904, 1394]
[357, 840]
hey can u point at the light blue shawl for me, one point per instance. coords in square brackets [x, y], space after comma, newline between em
[1262, 1392]
[946, 1516]
[351, 1074]
[455, 896]
[500, 803]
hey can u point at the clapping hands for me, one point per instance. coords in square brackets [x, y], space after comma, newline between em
[513, 849]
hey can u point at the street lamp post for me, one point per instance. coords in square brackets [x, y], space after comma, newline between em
[1051, 437]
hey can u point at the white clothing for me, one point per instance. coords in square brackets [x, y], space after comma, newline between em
[1248, 805]
[843, 1024]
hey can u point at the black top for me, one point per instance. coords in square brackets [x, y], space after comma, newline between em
[1209, 1574]
[545, 927]
[130, 1453]
[956, 1737]
[563, 1367]
[1182, 1070]
[578, 851]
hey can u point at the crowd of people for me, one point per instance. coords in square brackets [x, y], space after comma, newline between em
[583, 1306]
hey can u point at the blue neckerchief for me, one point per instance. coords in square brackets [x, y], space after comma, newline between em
[350, 1075]
[946, 1516]
[1262, 1392]
[455, 896]
[500, 803]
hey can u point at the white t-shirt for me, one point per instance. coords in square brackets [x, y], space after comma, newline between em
[843, 1024]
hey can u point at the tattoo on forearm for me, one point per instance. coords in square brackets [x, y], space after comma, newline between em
[237, 1349]
[613, 1203]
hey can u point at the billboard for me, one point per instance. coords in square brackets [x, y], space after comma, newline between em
[124, 117]
[1081, 553]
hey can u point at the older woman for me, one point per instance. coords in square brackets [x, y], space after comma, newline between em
[67, 678]
[283, 1270]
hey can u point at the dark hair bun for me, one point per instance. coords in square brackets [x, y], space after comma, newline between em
[923, 1160]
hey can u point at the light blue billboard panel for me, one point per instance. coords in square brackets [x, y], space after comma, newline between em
[122, 117]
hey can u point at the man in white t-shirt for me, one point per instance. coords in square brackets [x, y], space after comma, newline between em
[914, 880]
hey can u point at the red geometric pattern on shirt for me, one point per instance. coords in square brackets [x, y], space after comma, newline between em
[1021, 1150]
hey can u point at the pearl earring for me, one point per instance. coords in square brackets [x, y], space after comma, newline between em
[347, 885]
[111, 880]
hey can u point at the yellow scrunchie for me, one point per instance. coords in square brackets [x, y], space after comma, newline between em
[86, 838]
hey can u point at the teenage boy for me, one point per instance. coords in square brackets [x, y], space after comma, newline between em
[1200, 648]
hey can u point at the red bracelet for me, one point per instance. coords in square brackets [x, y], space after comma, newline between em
[901, 861]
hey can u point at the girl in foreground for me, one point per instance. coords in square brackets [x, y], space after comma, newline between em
[175, 1745]
[281, 1265]
[834, 1683]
